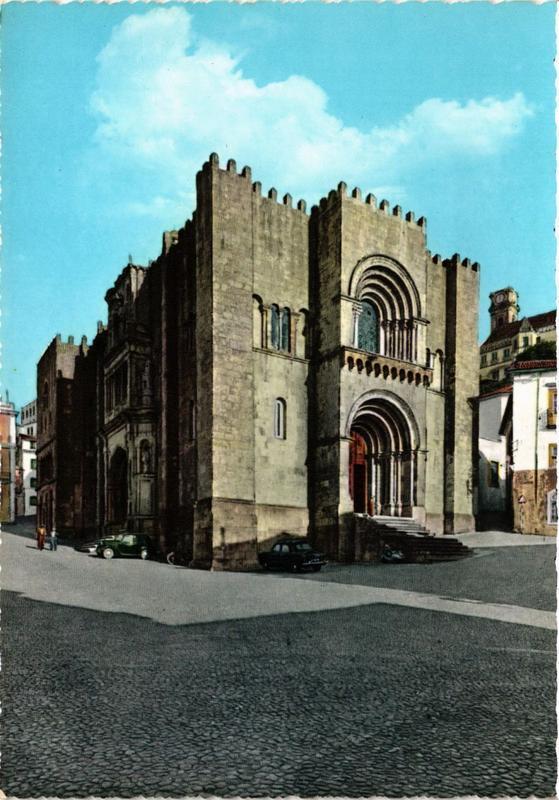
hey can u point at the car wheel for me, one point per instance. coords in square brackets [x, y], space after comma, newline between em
[295, 568]
[144, 554]
[108, 552]
[171, 558]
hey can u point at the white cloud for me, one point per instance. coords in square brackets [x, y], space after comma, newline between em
[165, 101]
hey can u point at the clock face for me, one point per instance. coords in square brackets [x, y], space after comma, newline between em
[500, 297]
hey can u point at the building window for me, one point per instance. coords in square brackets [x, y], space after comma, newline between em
[515, 345]
[285, 331]
[275, 327]
[493, 475]
[32, 445]
[552, 456]
[552, 408]
[552, 507]
[506, 352]
[368, 328]
[525, 341]
[493, 356]
[538, 339]
[33, 463]
[33, 500]
[279, 418]
[495, 374]
[33, 483]
[191, 421]
[483, 360]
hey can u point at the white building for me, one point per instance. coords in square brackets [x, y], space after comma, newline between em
[529, 425]
[7, 460]
[26, 484]
[493, 487]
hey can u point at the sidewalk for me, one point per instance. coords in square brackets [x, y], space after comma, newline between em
[503, 539]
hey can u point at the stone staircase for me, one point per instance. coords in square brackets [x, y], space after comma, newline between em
[416, 543]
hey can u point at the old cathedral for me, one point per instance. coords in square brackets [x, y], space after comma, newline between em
[272, 372]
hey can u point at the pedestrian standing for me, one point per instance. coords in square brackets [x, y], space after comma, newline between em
[53, 539]
[41, 534]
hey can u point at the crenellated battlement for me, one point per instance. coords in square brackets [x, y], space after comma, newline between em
[356, 196]
[256, 186]
[458, 261]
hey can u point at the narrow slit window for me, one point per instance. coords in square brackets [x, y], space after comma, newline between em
[279, 418]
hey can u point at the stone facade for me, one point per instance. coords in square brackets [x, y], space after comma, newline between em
[274, 372]
[529, 425]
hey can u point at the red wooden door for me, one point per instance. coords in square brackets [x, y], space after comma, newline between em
[358, 477]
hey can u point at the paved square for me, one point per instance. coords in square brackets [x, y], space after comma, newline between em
[365, 680]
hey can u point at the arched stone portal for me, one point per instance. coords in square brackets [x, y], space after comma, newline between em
[383, 458]
[118, 487]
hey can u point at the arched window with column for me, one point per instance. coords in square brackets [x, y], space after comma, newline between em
[387, 309]
[285, 331]
[275, 334]
[368, 328]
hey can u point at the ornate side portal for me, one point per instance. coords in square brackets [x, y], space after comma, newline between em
[382, 460]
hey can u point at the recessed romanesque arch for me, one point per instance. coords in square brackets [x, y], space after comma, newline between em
[384, 442]
[383, 288]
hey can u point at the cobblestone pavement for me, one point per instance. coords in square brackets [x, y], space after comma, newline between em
[369, 700]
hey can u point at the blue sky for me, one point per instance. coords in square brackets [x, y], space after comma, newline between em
[109, 110]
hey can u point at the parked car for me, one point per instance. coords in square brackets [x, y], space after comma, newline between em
[295, 555]
[132, 545]
[87, 547]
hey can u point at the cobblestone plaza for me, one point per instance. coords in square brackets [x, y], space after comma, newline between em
[395, 680]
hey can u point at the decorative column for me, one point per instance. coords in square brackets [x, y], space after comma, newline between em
[356, 309]
[398, 487]
[392, 466]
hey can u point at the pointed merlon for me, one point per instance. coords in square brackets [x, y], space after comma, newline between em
[397, 211]
[384, 206]
[476, 267]
[247, 173]
[437, 259]
[466, 263]
[302, 205]
[371, 200]
[410, 216]
[356, 193]
[332, 194]
[272, 194]
[287, 200]
[214, 159]
[323, 203]
[342, 188]
[232, 165]
[84, 341]
[455, 260]
[257, 187]
[422, 222]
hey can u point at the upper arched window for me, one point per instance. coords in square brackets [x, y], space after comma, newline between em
[279, 418]
[285, 333]
[368, 331]
[275, 327]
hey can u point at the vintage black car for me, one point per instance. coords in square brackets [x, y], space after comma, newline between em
[87, 547]
[295, 555]
[132, 545]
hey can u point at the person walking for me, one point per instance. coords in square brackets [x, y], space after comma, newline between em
[53, 539]
[41, 535]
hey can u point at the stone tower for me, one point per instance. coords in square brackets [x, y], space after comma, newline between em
[504, 307]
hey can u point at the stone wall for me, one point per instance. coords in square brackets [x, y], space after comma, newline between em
[531, 517]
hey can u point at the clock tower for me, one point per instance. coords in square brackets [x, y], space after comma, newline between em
[504, 307]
